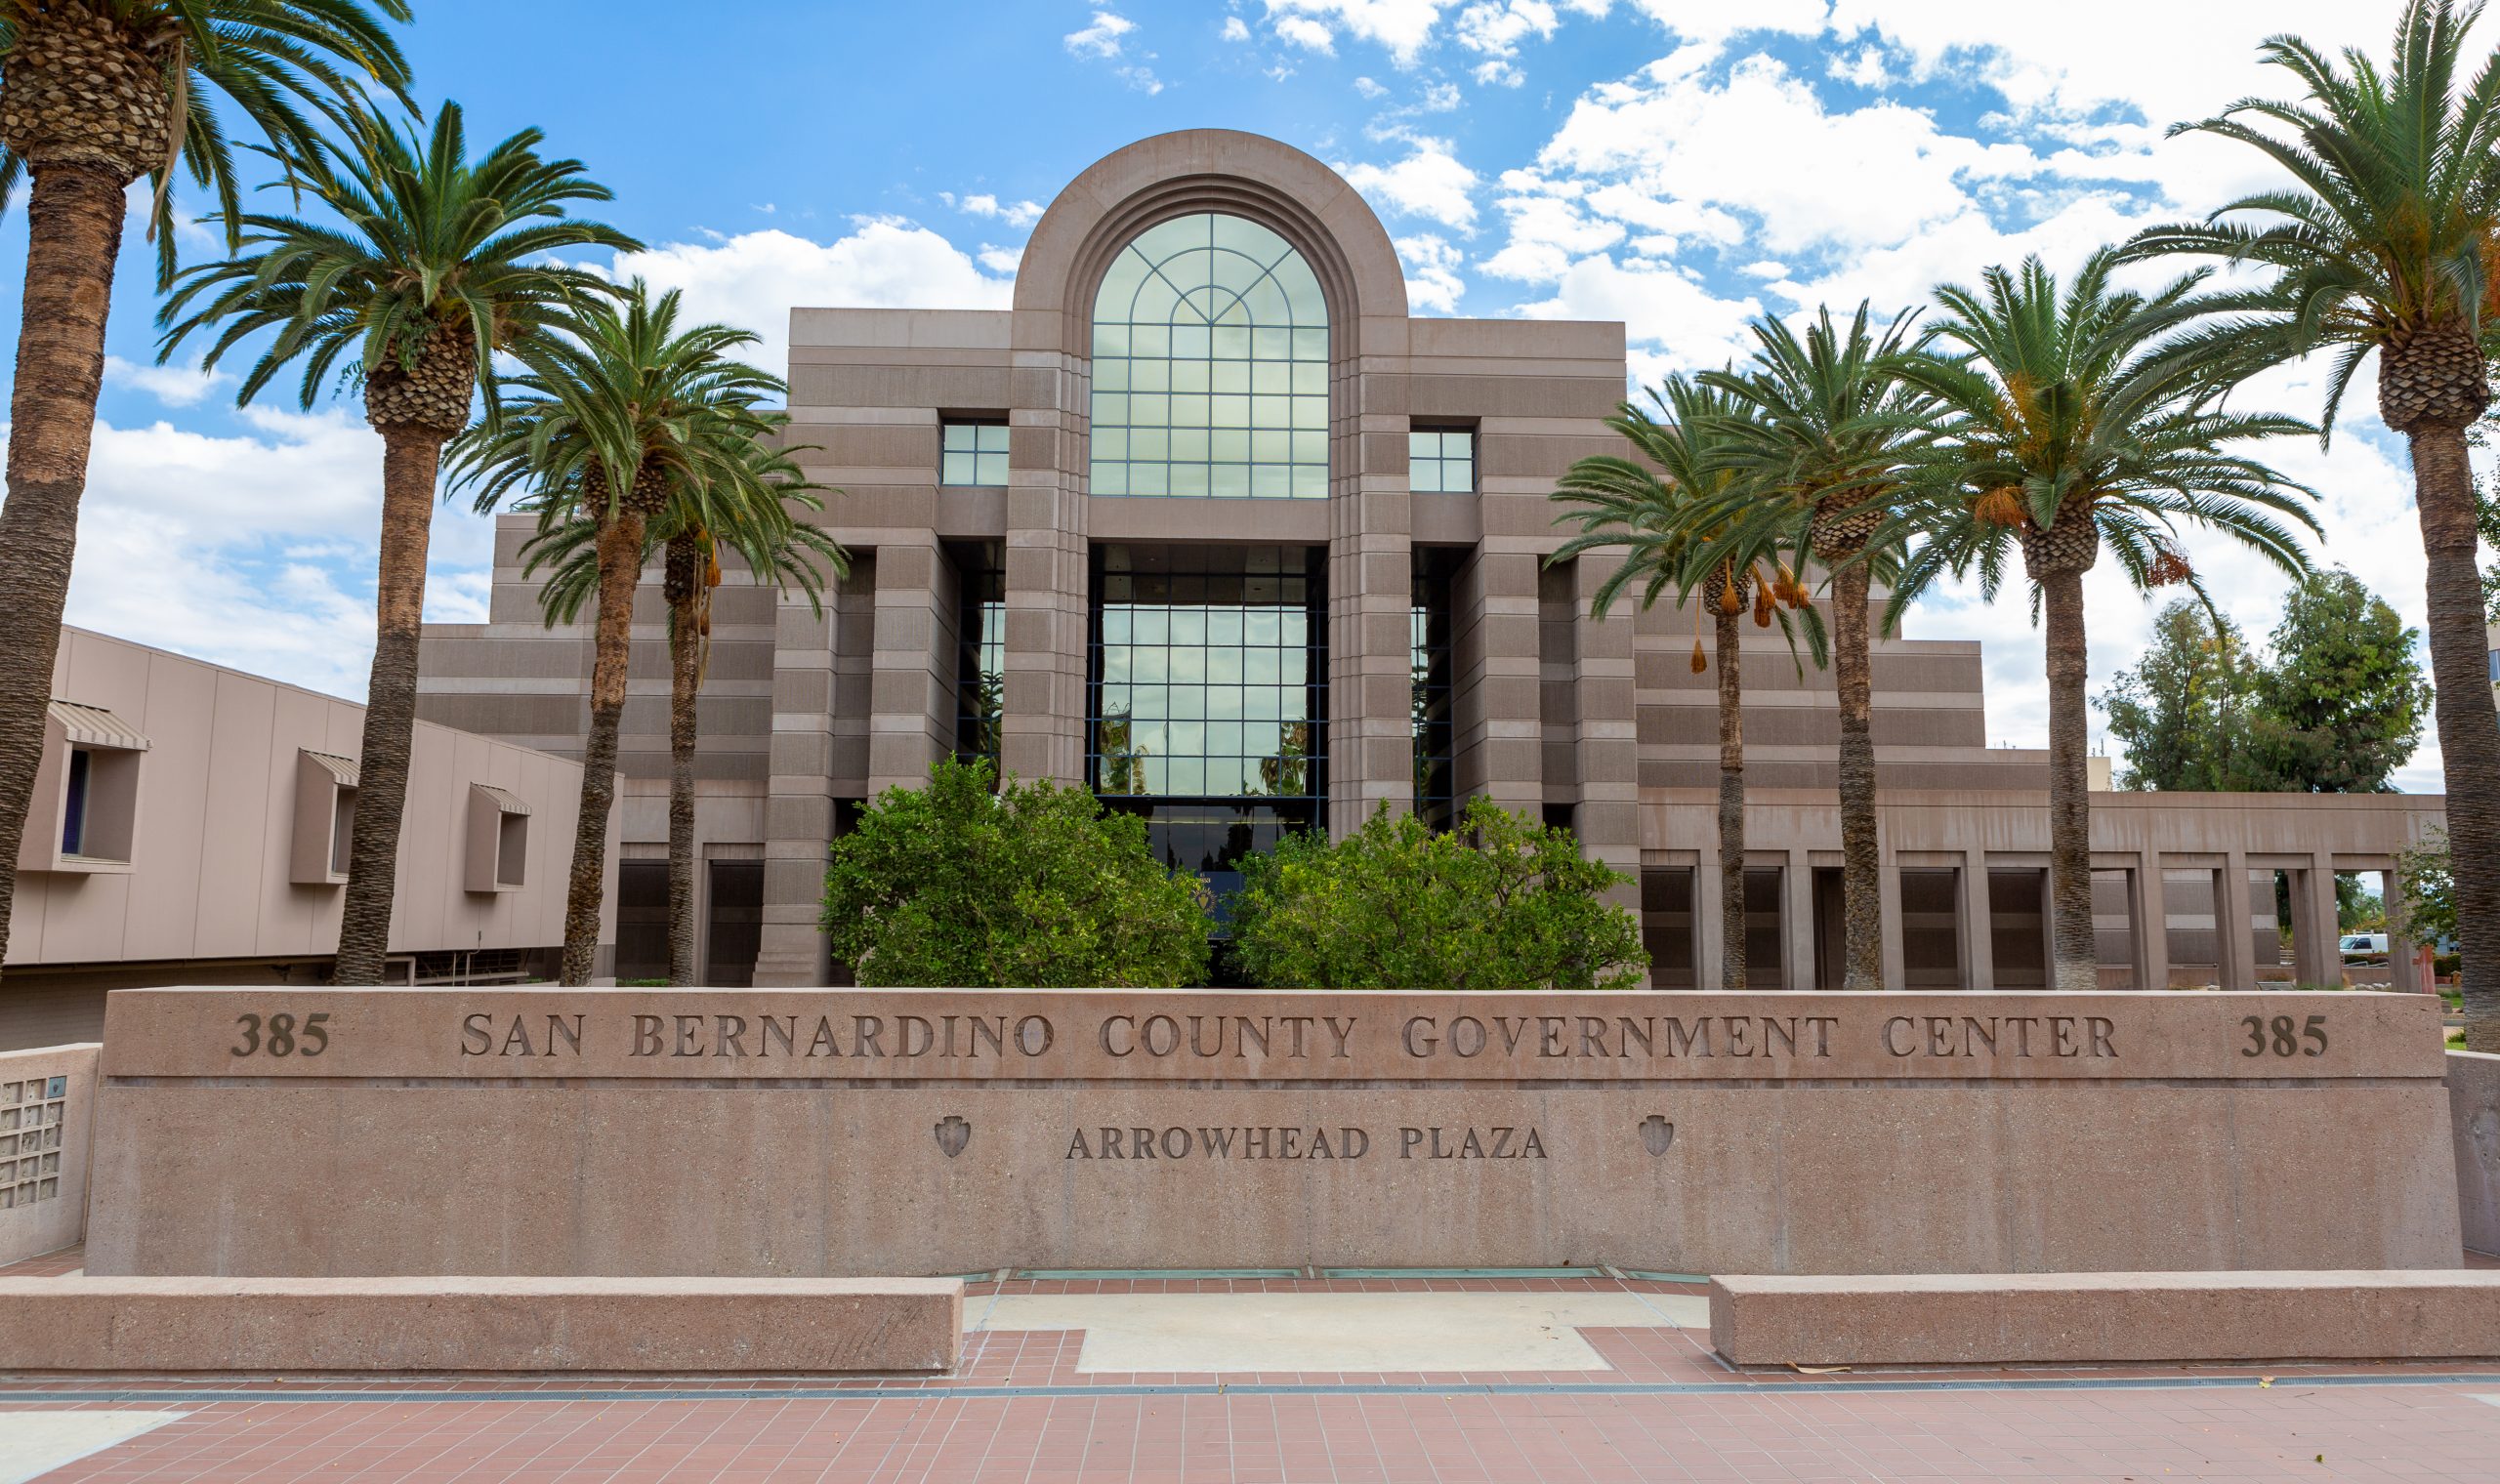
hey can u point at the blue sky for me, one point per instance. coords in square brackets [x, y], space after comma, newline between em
[1681, 165]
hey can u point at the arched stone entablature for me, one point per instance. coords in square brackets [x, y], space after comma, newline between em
[1218, 170]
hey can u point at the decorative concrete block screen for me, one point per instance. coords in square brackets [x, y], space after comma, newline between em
[47, 1110]
[334, 1133]
[2474, 1117]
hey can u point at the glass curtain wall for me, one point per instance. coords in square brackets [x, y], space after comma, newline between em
[980, 652]
[1209, 692]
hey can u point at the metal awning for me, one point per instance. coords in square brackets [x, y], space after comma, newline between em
[501, 799]
[95, 726]
[341, 770]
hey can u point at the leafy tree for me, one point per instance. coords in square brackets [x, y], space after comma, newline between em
[2340, 703]
[2379, 235]
[1827, 444]
[2181, 713]
[1657, 506]
[2075, 425]
[2334, 704]
[93, 96]
[436, 265]
[968, 883]
[625, 414]
[1500, 902]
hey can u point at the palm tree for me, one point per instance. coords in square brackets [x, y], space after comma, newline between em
[2076, 424]
[2381, 239]
[619, 417]
[92, 96]
[434, 265]
[1648, 505]
[1825, 447]
[759, 518]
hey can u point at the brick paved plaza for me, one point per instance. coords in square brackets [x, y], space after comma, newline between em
[1024, 1408]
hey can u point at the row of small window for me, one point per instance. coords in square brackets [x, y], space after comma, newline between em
[1148, 704]
[1179, 410]
[1203, 343]
[1199, 778]
[1124, 624]
[1206, 666]
[1260, 739]
[1242, 447]
[1266, 377]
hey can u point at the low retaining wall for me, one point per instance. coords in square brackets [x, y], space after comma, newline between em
[2055, 1318]
[2473, 1119]
[335, 1131]
[47, 1117]
[786, 1326]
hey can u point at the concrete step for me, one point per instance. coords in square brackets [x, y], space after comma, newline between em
[675, 1326]
[2058, 1318]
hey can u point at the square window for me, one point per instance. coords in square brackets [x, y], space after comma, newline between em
[975, 453]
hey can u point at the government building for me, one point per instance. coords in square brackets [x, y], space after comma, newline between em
[1209, 522]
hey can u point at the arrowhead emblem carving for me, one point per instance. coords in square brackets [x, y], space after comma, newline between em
[953, 1133]
[1658, 1133]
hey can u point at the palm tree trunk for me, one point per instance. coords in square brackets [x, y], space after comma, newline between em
[2074, 953]
[1861, 863]
[685, 680]
[2469, 727]
[1731, 806]
[73, 237]
[620, 571]
[410, 461]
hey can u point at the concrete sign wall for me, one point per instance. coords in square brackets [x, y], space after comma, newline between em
[805, 1131]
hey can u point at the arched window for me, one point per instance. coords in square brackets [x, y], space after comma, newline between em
[1210, 365]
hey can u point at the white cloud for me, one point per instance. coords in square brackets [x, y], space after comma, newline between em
[1234, 29]
[754, 280]
[174, 385]
[1658, 304]
[1307, 33]
[1762, 144]
[1433, 284]
[1429, 182]
[1014, 213]
[1497, 27]
[1103, 38]
[1369, 89]
[272, 532]
[1403, 27]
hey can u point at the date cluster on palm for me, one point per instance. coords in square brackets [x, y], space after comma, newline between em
[76, 90]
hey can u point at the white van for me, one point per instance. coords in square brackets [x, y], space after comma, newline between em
[2363, 947]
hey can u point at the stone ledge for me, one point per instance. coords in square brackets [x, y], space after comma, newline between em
[684, 1326]
[2057, 1318]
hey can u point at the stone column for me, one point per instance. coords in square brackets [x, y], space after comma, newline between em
[1797, 918]
[1707, 944]
[798, 810]
[1371, 660]
[1979, 941]
[2149, 913]
[1048, 574]
[1499, 736]
[1606, 746]
[911, 707]
[2316, 924]
[2403, 977]
[1895, 959]
[2233, 922]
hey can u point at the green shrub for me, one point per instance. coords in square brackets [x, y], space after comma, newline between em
[1501, 902]
[959, 884]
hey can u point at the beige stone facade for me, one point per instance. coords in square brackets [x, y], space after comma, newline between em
[190, 826]
[1009, 569]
